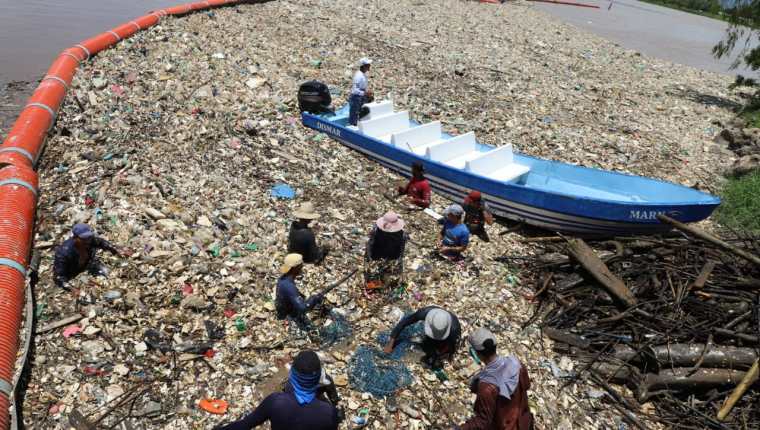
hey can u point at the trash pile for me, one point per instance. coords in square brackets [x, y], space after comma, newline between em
[183, 145]
[675, 319]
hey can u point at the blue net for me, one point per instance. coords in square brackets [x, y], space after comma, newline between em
[404, 342]
[337, 330]
[372, 371]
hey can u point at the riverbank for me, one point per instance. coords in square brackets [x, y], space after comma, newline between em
[170, 142]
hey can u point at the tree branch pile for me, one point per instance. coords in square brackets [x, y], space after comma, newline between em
[674, 319]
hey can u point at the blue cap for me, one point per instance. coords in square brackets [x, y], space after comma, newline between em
[83, 231]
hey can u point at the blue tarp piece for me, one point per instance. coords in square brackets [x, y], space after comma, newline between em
[283, 191]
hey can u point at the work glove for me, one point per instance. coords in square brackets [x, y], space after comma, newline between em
[314, 300]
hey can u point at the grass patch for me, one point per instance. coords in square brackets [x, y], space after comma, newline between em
[740, 209]
[752, 116]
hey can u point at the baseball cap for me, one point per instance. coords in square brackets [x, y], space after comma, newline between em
[364, 61]
[438, 324]
[454, 209]
[83, 231]
[479, 337]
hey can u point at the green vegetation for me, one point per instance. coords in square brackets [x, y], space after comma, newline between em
[741, 206]
[752, 116]
[709, 8]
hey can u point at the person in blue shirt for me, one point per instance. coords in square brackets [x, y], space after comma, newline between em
[454, 235]
[300, 406]
[289, 302]
[79, 253]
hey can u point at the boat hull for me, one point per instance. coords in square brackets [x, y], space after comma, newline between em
[562, 213]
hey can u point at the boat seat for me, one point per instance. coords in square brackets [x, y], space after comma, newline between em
[378, 109]
[455, 151]
[497, 164]
[416, 137]
[384, 125]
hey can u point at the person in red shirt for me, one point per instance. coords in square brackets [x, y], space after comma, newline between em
[501, 387]
[418, 188]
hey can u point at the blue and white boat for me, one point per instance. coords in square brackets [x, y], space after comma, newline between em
[549, 194]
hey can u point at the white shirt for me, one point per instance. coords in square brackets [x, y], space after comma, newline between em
[359, 85]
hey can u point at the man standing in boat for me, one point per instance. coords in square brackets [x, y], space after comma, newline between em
[418, 188]
[359, 91]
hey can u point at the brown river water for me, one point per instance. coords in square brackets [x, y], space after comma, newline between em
[34, 32]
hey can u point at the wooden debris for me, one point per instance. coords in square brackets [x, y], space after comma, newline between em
[565, 337]
[701, 234]
[591, 262]
[60, 323]
[739, 391]
[704, 274]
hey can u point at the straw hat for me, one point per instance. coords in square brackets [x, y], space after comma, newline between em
[438, 324]
[390, 222]
[291, 261]
[306, 211]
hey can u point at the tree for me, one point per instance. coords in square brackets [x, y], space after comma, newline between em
[744, 27]
[744, 19]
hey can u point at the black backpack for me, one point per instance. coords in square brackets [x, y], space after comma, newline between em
[314, 97]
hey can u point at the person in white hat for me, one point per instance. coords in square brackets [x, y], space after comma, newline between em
[289, 302]
[301, 239]
[454, 235]
[501, 388]
[386, 245]
[442, 334]
[360, 92]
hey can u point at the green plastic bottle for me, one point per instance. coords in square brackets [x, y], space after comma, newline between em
[240, 324]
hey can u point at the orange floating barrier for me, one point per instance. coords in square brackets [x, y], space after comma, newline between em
[19, 184]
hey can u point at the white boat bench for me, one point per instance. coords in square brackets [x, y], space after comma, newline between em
[385, 125]
[418, 138]
[378, 109]
[456, 151]
[497, 164]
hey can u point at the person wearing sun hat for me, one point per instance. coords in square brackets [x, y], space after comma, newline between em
[301, 239]
[501, 388]
[299, 406]
[289, 302]
[385, 249]
[442, 334]
[79, 253]
[477, 214]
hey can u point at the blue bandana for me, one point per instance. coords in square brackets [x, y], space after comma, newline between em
[304, 386]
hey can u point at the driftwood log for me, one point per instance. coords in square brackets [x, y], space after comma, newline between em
[707, 237]
[682, 379]
[596, 267]
[685, 355]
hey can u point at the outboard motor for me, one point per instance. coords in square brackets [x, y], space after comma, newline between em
[314, 97]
